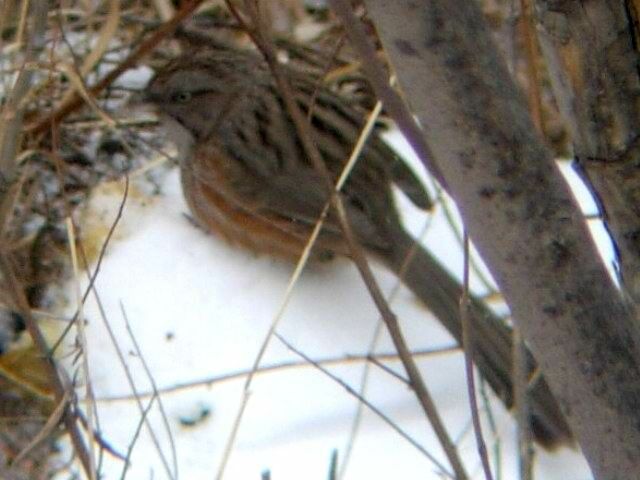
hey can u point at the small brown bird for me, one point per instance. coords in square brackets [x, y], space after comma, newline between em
[246, 177]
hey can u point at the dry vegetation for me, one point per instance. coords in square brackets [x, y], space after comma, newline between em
[65, 128]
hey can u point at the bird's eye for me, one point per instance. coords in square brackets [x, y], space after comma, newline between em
[181, 97]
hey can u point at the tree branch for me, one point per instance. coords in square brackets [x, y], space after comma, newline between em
[592, 54]
[523, 220]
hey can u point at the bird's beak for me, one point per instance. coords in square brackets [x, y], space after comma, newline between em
[141, 104]
[139, 98]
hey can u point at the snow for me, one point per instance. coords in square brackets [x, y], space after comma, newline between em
[199, 308]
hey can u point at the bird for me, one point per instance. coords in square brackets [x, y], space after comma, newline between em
[246, 178]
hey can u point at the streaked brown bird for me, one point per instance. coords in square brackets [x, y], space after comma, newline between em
[246, 177]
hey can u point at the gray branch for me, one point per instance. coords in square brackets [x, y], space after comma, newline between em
[591, 57]
[523, 220]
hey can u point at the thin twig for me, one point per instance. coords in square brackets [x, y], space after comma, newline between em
[80, 324]
[131, 382]
[369, 405]
[497, 450]
[103, 316]
[532, 55]
[364, 378]
[154, 386]
[136, 435]
[333, 465]
[103, 250]
[520, 361]
[265, 44]
[76, 101]
[50, 425]
[99, 439]
[309, 147]
[523, 412]
[327, 68]
[389, 371]
[393, 102]
[12, 112]
[60, 386]
[208, 382]
[448, 212]
[467, 342]
[228, 448]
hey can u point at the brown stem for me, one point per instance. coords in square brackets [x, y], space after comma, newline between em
[264, 43]
[76, 101]
[60, 386]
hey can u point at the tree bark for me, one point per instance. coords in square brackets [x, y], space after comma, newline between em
[523, 220]
[591, 52]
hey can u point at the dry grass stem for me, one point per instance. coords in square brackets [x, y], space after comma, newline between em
[242, 374]
[442, 469]
[467, 342]
[82, 339]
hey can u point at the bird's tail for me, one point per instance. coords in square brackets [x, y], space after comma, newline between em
[491, 336]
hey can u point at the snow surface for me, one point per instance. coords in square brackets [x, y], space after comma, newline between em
[200, 308]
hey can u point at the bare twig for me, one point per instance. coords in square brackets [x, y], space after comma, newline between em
[52, 422]
[76, 101]
[154, 386]
[136, 435]
[99, 439]
[520, 386]
[60, 385]
[368, 404]
[531, 233]
[12, 112]
[103, 250]
[359, 259]
[467, 342]
[132, 385]
[333, 466]
[393, 103]
[447, 210]
[91, 288]
[357, 418]
[80, 324]
[265, 45]
[531, 55]
[348, 359]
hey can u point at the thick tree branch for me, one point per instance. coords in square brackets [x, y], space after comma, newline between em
[592, 54]
[523, 219]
